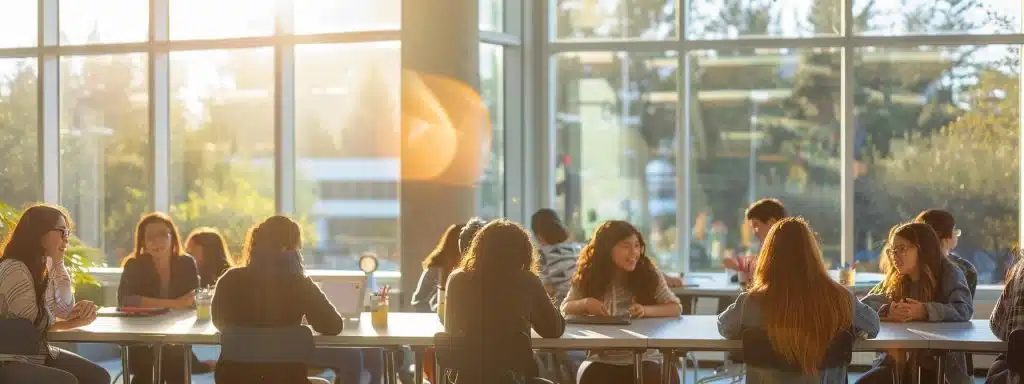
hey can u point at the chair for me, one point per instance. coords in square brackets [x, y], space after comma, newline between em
[20, 337]
[758, 352]
[279, 345]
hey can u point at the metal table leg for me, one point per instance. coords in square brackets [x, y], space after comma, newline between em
[418, 353]
[158, 360]
[940, 374]
[638, 359]
[188, 363]
[125, 366]
[668, 363]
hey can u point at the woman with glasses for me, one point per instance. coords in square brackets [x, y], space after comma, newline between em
[919, 284]
[158, 274]
[945, 226]
[28, 289]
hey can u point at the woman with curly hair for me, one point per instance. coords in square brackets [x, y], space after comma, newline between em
[920, 284]
[615, 277]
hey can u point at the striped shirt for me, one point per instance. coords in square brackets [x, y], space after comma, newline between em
[617, 300]
[557, 266]
[60, 299]
[18, 300]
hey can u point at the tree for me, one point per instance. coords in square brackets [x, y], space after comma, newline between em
[19, 172]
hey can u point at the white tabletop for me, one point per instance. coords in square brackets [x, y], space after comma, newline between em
[973, 336]
[718, 285]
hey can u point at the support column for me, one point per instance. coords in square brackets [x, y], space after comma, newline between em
[440, 63]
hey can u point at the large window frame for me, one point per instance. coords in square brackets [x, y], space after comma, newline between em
[158, 46]
[848, 41]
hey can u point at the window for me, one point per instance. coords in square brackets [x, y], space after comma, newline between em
[737, 19]
[938, 127]
[764, 123]
[491, 190]
[19, 133]
[203, 19]
[617, 110]
[105, 180]
[103, 21]
[491, 15]
[325, 16]
[19, 24]
[935, 17]
[347, 102]
[222, 141]
[615, 19]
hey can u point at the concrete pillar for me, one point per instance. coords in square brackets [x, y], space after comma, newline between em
[440, 63]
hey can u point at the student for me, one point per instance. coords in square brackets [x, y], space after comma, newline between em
[211, 253]
[157, 274]
[271, 289]
[1007, 317]
[557, 256]
[615, 277]
[440, 262]
[762, 214]
[494, 298]
[919, 284]
[797, 305]
[945, 226]
[41, 237]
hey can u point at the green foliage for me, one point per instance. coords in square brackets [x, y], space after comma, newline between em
[78, 257]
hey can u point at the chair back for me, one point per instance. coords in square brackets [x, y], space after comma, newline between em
[267, 345]
[20, 337]
[1015, 352]
[758, 352]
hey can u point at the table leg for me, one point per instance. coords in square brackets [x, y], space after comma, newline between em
[638, 369]
[158, 359]
[188, 363]
[940, 374]
[125, 367]
[667, 365]
[418, 352]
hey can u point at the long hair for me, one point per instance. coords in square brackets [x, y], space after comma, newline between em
[596, 270]
[216, 256]
[138, 250]
[446, 253]
[499, 247]
[929, 262]
[266, 241]
[24, 243]
[802, 307]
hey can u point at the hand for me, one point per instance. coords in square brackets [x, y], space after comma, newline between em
[637, 311]
[909, 310]
[83, 319]
[83, 308]
[594, 307]
[730, 263]
[187, 300]
[673, 282]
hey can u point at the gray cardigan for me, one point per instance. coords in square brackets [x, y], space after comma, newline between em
[425, 297]
[953, 304]
[745, 313]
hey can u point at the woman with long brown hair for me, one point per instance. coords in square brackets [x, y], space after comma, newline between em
[436, 268]
[210, 250]
[919, 284]
[158, 274]
[796, 304]
[615, 277]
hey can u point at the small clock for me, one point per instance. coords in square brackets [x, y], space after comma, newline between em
[368, 263]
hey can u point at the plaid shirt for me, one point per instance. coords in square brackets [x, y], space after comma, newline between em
[1008, 314]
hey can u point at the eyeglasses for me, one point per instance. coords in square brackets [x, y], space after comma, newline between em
[956, 232]
[65, 232]
[896, 250]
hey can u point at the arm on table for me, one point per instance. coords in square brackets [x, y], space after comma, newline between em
[319, 311]
[958, 306]
[426, 288]
[545, 318]
[730, 321]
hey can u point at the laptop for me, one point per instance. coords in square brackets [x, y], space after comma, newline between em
[347, 293]
[599, 320]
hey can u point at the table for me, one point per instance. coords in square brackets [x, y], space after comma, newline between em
[717, 285]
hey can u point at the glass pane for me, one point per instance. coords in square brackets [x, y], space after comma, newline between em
[936, 17]
[491, 16]
[347, 101]
[492, 90]
[95, 22]
[104, 147]
[19, 132]
[19, 24]
[222, 140]
[325, 16]
[737, 19]
[615, 19]
[765, 124]
[203, 19]
[615, 144]
[938, 127]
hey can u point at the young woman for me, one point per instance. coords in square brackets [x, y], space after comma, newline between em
[945, 227]
[41, 237]
[796, 304]
[615, 277]
[494, 298]
[920, 284]
[157, 274]
[211, 253]
[271, 289]
[436, 268]
[1006, 318]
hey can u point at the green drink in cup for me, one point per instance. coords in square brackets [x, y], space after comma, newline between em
[204, 302]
